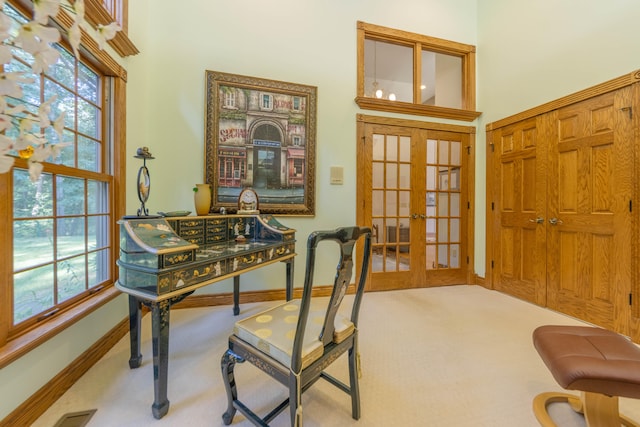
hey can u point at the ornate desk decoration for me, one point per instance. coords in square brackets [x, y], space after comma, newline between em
[164, 260]
[144, 180]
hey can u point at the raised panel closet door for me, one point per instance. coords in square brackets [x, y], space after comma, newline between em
[520, 236]
[589, 221]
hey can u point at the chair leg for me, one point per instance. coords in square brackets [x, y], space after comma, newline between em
[227, 364]
[354, 365]
[295, 400]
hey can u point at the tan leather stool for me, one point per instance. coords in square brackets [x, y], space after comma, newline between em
[601, 364]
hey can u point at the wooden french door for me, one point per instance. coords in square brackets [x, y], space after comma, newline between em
[413, 192]
[563, 214]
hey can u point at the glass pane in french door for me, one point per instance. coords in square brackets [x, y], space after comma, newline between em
[443, 208]
[391, 202]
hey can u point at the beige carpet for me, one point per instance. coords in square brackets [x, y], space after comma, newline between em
[449, 356]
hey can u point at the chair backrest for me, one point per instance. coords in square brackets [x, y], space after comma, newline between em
[346, 237]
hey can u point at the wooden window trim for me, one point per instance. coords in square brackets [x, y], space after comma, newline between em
[95, 13]
[418, 42]
[14, 348]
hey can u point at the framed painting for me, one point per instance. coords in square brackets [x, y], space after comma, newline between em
[260, 134]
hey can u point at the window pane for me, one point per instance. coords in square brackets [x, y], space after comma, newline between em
[89, 154]
[388, 71]
[377, 203]
[65, 102]
[441, 80]
[405, 176]
[88, 119]
[392, 203]
[405, 149]
[392, 175]
[88, 84]
[377, 175]
[71, 277]
[63, 71]
[32, 243]
[392, 148]
[405, 203]
[71, 236]
[32, 292]
[378, 147]
[98, 264]
[97, 197]
[443, 204]
[98, 232]
[443, 230]
[31, 199]
[69, 196]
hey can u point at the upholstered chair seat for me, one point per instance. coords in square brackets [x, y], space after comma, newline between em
[273, 331]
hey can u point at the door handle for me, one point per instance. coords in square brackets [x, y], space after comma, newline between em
[555, 221]
[538, 220]
[414, 216]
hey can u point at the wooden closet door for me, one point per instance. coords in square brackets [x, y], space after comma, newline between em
[519, 234]
[589, 218]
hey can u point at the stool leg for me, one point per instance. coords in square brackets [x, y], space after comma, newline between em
[600, 410]
[541, 401]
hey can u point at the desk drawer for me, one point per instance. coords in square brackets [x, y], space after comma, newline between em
[198, 274]
[280, 251]
[241, 262]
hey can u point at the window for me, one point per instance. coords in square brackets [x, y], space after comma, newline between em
[61, 244]
[267, 102]
[410, 73]
[229, 99]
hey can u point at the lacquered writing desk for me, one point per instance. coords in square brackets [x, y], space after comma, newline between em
[164, 260]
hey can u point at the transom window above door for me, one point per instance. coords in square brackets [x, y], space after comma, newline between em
[410, 73]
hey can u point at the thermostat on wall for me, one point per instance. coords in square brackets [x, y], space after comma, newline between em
[337, 175]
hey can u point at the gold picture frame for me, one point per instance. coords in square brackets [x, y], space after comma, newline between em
[261, 134]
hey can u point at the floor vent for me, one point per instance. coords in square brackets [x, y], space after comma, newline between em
[75, 419]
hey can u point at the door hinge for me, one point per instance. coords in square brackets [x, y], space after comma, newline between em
[492, 206]
[630, 205]
[468, 149]
[630, 299]
[628, 110]
[468, 205]
[467, 259]
[492, 147]
[491, 263]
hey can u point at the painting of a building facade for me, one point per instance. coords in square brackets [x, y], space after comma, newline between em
[261, 135]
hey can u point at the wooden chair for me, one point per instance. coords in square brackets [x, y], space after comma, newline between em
[601, 364]
[295, 341]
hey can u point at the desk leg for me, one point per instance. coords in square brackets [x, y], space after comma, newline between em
[160, 343]
[236, 295]
[135, 315]
[289, 284]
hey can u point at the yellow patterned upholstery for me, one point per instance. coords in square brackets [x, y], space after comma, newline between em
[272, 331]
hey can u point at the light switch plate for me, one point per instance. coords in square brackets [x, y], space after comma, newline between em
[337, 175]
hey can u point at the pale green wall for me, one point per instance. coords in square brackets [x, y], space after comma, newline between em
[528, 53]
[532, 52]
[305, 42]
